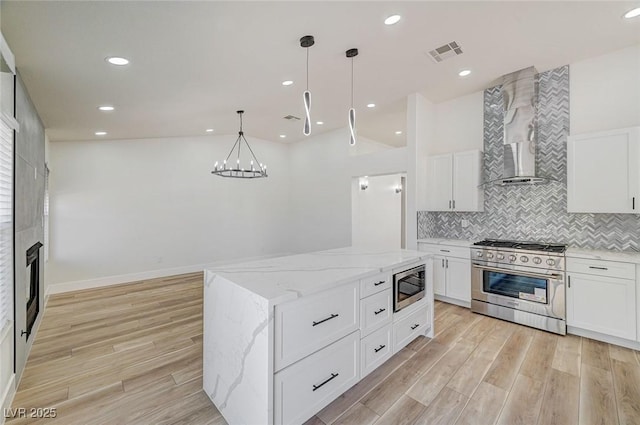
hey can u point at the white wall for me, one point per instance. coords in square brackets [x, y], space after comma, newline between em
[320, 193]
[130, 206]
[605, 91]
[377, 213]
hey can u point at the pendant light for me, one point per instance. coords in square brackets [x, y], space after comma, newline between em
[352, 53]
[239, 172]
[306, 42]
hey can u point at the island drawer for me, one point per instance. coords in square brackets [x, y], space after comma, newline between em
[310, 323]
[601, 268]
[408, 328]
[306, 387]
[375, 349]
[374, 284]
[375, 311]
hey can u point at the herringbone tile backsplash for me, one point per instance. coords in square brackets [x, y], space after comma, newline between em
[534, 213]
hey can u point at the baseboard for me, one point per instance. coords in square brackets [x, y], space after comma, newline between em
[604, 338]
[57, 288]
[452, 301]
[7, 397]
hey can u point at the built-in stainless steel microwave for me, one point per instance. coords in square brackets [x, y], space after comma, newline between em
[408, 287]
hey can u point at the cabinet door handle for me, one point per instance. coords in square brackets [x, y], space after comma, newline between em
[569, 281]
[415, 326]
[379, 348]
[333, 316]
[333, 376]
[598, 268]
[379, 311]
[379, 283]
[633, 203]
[443, 263]
[447, 262]
[454, 204]
[449, 204]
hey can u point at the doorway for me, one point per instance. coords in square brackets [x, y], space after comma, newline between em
[378, 212]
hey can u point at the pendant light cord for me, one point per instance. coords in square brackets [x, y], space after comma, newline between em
[352, 82]
[307, 69]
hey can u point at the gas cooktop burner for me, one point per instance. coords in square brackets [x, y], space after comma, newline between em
[529, 246]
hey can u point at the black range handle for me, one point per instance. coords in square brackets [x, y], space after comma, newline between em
[379, 283]
[379, 311]
[333, 316]
[333, 376]
[379, 348]
[415, 326]
[598, 268]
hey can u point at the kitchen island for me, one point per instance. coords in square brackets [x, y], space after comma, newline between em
[283, 337]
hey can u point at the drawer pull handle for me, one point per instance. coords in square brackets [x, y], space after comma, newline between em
[379, 348]
[333, 316]
[415, 326]
[598, 268]
[333, 376]
[444, 250]
[379, 283]
[379, 311]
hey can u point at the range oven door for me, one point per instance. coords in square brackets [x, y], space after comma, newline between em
[517, 288]
[408, 287]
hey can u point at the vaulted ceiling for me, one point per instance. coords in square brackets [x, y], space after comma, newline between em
[194, 63]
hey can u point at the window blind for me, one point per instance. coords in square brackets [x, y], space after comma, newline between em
[6, 224]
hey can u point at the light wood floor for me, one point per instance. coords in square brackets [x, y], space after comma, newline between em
[132, 354]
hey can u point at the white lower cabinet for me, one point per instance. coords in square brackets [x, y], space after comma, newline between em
[375, 349]
[602, 304]
[451, 272]
[408, 328]
[304, 388]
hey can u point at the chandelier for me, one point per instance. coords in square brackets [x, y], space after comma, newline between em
[254, 170]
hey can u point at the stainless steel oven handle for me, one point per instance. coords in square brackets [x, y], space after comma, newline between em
[518, 272]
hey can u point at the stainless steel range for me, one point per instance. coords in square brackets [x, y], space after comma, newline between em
[523, 282]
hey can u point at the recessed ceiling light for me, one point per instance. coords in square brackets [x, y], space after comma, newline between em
[287, 83]
[393, 19]
[282, 136]
[106, 108]
[319, 122]
[371, 105]
[209, 130]
[632, 13]
[398, 132]
[100, 133]
[115, 60]
[464, 72]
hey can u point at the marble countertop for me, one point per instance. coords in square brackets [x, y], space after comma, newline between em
[451, 242]
[285, 278]
[605, 254]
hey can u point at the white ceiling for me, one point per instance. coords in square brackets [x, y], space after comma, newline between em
[194, 63]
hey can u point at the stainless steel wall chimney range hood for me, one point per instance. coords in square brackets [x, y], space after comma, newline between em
[520, 97]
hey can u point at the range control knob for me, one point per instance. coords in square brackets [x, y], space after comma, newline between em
[512, 258]
[478, 253]
[551, 261]
[489, 255]
[500, 256]
[524, 259]
[536, 260]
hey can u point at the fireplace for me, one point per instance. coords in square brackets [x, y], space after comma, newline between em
[33, 286]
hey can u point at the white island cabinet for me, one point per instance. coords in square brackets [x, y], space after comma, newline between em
[284, 337]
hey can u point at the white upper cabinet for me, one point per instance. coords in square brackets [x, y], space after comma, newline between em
[602, 172]
[454, 181]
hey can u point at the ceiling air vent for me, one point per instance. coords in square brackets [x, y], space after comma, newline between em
[447, 51]
[291, 117]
